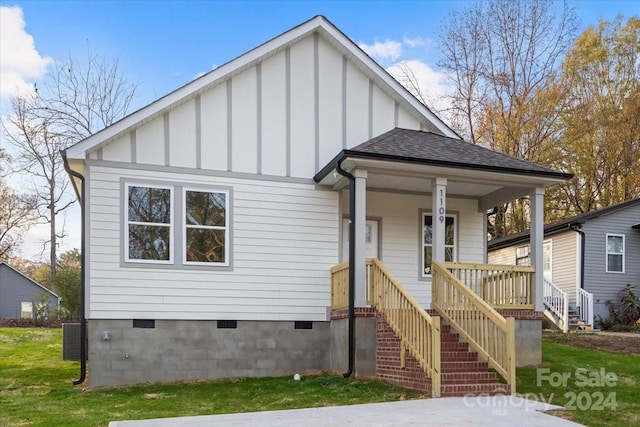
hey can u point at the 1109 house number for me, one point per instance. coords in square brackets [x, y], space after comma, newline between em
[441, 209]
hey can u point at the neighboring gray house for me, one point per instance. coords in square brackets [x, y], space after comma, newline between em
[590, 257]
[20, 294]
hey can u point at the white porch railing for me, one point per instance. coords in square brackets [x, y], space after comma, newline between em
[557, 302]
[584, 304]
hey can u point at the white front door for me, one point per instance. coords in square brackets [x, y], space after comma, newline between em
[370, 235]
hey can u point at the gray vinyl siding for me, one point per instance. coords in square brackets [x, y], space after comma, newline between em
[16, 289]
[605, 286]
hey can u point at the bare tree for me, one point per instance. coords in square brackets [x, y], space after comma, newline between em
[16, 214]
[75, 101]
[503, 57]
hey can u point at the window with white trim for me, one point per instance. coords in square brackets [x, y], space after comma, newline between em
[205, 227]
[523, 255]
[427, 241]
[149, 219]
[615, 253]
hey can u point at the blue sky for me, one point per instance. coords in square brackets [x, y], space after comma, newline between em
[162, 45]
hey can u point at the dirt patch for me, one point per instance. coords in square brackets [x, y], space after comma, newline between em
[606, 342]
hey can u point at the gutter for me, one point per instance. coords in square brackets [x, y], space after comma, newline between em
[83, 320]
[352, 272]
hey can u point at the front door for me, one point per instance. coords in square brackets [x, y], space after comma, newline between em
[370, 235]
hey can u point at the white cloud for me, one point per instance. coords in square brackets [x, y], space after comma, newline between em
[414, 42]
[418, 76]
[19, 59]
[202, 73]
[383, 51]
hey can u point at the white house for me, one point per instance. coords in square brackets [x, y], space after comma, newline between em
[214, 215]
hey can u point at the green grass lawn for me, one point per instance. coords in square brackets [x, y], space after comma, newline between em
[35, 389]
[604, 392]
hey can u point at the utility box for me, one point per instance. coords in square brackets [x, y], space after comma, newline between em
[71, 341]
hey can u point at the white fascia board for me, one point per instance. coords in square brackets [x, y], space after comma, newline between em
[79, 150]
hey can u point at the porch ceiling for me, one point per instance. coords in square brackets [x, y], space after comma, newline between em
[423, 185]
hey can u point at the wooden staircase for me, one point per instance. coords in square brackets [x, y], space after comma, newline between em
[462, 374]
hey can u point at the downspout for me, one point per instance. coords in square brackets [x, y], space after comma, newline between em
[83, 320]
[578, 229]
[352, 272]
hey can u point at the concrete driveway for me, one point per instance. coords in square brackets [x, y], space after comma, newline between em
[494, 411]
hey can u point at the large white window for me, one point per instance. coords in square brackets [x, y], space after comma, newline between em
[615, 253]
[205, 227]
[149, 219]
[427, 241]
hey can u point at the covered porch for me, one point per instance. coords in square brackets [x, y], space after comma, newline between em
[415, 204]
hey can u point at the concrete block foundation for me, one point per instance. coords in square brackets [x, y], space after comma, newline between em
[184, 350]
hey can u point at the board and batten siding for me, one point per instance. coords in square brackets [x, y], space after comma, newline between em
[285, 240]
[286, 116]
[606, 286]
[400, 217]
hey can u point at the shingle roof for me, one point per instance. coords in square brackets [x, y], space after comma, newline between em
[563, 224]
[405, 145]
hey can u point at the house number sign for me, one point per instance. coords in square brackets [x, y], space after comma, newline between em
[441, 209]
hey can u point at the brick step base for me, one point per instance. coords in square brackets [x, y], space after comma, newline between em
[469, 377]
[458, 390]
[462, 374]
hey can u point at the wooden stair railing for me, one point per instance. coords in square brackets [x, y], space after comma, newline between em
[418, 332]
[486, 331]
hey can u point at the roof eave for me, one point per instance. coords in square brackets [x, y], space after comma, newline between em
[559, 176]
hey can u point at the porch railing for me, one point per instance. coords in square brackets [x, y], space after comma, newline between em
[340, 285]
[584, 304]
[557, 302]
[419, 333]
[502, 286]
[490, 334]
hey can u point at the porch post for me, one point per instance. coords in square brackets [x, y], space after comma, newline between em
[537, 239]
[359, 240]
[438, 212]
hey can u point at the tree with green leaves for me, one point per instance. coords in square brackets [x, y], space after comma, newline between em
[599, 122]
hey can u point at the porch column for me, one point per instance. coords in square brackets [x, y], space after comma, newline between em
[439, 210]
[537, 239]
[359, 239]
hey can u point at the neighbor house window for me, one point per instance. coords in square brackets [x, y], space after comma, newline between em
[523, 255]
[205, 227]
[149, 224]
[615, 253]
[427, 241]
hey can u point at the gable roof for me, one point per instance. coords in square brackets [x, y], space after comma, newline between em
[318, 24]
[562, 225]
[412, 146]
[2, 263]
